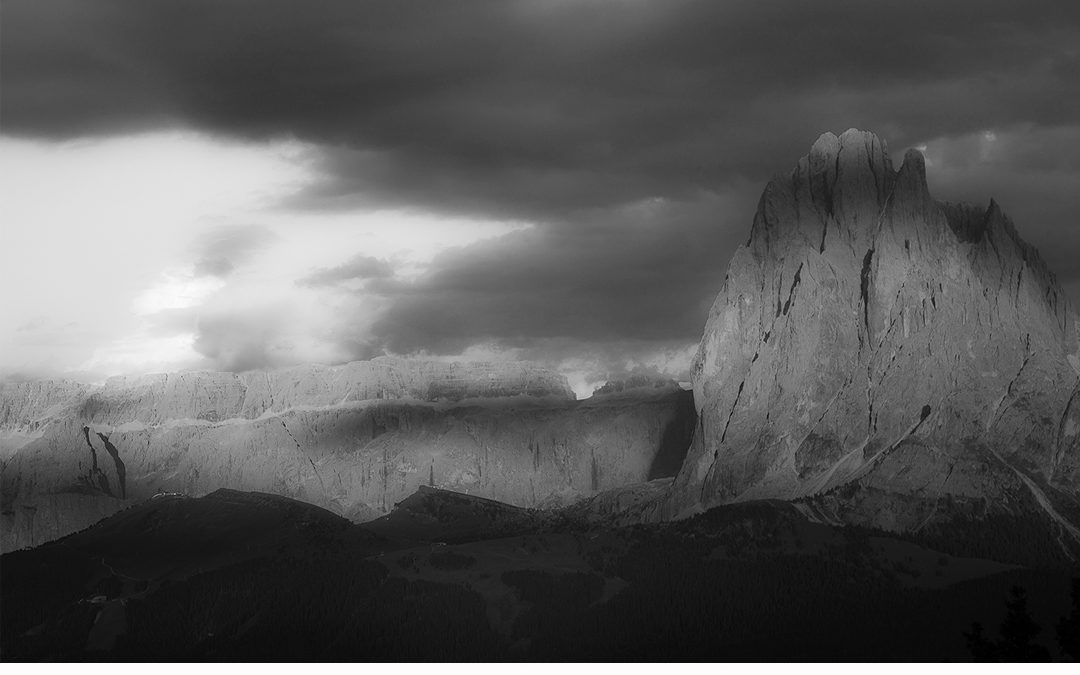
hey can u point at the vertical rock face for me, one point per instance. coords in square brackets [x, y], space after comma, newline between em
[354, 439]
[871, 336]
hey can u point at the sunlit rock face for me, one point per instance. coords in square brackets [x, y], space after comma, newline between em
[868, 335]
[152, 399]
[354, 438]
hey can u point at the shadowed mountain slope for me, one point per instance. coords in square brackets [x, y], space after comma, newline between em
[238, 576]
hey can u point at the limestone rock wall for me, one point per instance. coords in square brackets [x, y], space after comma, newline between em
[152, 399]
[354, 439]
[868, 333]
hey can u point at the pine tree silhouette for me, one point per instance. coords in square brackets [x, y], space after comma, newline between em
[1018, 631]
[1016, 635]
[1068, 628]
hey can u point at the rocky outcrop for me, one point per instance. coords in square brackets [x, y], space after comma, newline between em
[354, 439]
[868, 335]
[153, 399]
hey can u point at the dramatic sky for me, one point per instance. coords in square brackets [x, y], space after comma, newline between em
[231, 184]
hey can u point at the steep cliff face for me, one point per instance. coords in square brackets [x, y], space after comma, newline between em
[354, 439]
[868, 335]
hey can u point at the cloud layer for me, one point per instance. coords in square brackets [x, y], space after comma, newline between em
[633, 137]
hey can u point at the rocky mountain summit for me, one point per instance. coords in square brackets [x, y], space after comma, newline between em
[354, 439]
[919, 354]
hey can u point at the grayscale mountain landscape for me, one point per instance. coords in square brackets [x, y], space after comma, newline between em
[519, 370]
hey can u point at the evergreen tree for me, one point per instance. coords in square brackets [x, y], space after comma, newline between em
[1018, 632]
[1068, 628]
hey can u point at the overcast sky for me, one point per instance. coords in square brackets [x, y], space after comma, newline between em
[241, 184]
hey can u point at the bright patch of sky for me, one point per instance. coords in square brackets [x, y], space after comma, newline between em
[99, 264]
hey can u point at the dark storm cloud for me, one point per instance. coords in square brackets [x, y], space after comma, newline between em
[539, 107]
[219, 251]
[360, 267]
[1031, 172]
[566, 114]
[617, 275]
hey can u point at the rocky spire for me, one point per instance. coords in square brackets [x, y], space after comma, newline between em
[869, 335]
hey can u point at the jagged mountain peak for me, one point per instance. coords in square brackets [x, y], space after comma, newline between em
[845, 181]
[835, 157]
[867, 334]
[846, 172]
[844, 198]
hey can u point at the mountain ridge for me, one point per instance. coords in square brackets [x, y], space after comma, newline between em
[353, 439]
[862, 318]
